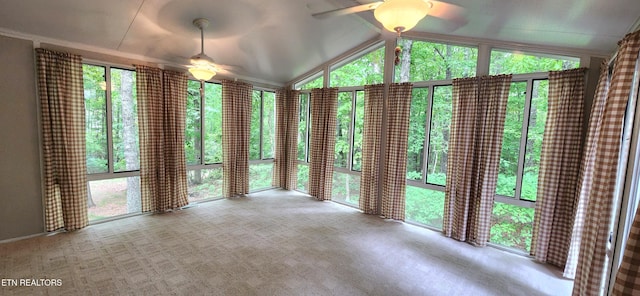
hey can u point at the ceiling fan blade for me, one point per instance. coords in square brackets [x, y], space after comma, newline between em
[348, 10]
[448, 11]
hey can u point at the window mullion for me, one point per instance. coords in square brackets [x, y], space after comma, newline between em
[427, 134]
[523, 138]
[308, 130]
[261, 124]
[351, 130]
[202, 123]
[109, 117]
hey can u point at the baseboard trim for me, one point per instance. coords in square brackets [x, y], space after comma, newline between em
[10, 240]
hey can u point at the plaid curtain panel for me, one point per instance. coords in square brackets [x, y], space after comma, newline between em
[395, 180]
[174, 116]
[161, 116]
[478, 115]
[287, 118]
[585, 178]
[372, 129]
[61, 93]
[592, 256]
[559, 167]
[324, 106]
[236, 125]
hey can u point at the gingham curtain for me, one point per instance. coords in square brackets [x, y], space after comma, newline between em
[479, 108]
[395, 163]
[586, 171]
[373, 108]
[628, 276]
[61, 95]
[324, 104]
[161, 114]
[287, 112]
[600, 192]
[559, 167]
[236, 125]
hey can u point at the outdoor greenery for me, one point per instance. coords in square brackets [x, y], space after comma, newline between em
[429, 129]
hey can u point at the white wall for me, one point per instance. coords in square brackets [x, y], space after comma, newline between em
[20, 186]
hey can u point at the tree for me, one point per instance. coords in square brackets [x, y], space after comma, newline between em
[129, 131]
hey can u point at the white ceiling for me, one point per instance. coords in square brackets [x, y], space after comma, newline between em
[275, 41]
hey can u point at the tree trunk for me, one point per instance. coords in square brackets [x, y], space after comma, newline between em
[405, 60]
[90, 203]
[134, 204]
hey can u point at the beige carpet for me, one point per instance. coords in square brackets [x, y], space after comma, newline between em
[270, 243]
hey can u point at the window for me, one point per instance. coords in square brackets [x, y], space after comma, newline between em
[112, 145]
[513, 211]
[429, 123]
[203, 140]
[509, 62]
[439, 135]
[314, 81]
[425, 61]
[363, 70]
[303, 142]
[350, 119]
[262, 141]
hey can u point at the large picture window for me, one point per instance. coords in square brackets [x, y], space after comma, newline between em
[513, 211]
[112, 144]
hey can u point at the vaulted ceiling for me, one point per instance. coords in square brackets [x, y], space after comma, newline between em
[275, 41]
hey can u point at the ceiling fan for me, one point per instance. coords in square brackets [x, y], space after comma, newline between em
[402, 15]
[202, 67]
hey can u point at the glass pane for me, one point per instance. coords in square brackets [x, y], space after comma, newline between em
[303, 134]
[193, 124]
[345, 188]
[268, 125]
[114, 197]
[315, 83]
[537, 120]
[511, 226]
[424, 206]
[95, 104]
[509, 62]
[204, 184]
[342, 129]
[417, 123]
[254, 142]
[303, 177]
[422, 61]
[511, 140]
[126, 155]
[439, 135]
[212, 122]
[260, 176]
[357, 132]
[367, 69]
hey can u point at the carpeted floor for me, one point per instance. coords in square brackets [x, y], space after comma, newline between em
[270, 243]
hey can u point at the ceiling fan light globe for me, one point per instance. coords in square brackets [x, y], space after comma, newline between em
[403, 14]
[202, 73]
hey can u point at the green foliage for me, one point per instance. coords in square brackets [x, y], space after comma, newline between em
[303, 177]
[302, 127]
[439, 135]
[512, 226]
[424, 206]
[212, 123]
[315, 83]
[505, 62]
[96, 118]
[437, 61]
[193, 126]
[364, 70]
[260, 176]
